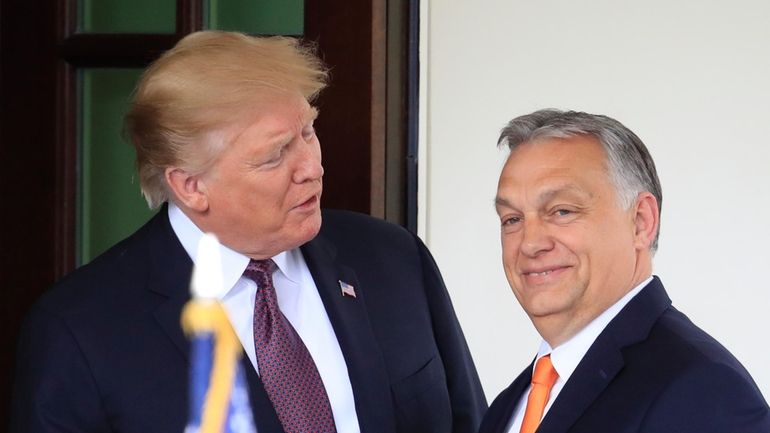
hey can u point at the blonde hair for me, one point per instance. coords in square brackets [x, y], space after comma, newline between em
[209, 80]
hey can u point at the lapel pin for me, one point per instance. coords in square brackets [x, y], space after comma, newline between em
[347, 289]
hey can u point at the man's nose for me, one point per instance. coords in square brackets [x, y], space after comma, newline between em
[535, 238]
[309, 166]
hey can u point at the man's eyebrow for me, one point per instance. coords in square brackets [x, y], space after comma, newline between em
[550, 194]
[313, 113]
[499, 201]
[570, 189]
[279, 136]
[547, 195]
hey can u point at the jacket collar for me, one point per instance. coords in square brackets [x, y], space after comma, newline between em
[170, 269]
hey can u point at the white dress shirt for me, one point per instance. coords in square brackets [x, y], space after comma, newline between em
[299, 301]
[565, 358]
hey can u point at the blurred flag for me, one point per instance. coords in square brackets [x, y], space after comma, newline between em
[219, 400]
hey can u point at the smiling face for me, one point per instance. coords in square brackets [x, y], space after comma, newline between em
[569, 250]
[262, 194]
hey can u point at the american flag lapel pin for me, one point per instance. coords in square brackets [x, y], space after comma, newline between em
[347, 289]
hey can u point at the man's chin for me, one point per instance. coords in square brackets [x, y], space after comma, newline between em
[544, 305]
[310, 227]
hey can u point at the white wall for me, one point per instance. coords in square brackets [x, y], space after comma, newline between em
[691, 78]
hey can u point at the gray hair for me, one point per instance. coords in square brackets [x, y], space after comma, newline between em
[629, 164]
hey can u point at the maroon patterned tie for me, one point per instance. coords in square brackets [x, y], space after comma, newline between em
[286, 368]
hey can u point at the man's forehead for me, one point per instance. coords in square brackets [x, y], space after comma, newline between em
[559, 159]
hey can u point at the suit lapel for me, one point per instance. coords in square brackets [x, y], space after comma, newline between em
[589, 379]
[350, 320]
[169, 276]
[513, 394]
[604, 360]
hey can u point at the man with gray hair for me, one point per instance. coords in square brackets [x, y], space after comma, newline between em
[579, 205]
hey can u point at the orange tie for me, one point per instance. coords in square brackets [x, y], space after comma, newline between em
[542, 382]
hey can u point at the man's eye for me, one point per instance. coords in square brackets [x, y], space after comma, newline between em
[510, 221]
[562, 215]
[274, 158]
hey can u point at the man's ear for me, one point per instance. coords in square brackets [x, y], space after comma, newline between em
[188, 189]
[646, 220]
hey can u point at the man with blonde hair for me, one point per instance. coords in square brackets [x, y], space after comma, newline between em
[344, 319]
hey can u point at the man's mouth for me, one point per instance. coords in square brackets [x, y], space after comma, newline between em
[539, 274]
[310, 202]
[543, 274]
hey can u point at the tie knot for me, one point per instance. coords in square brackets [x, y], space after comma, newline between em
[260, 271]
[544, 374]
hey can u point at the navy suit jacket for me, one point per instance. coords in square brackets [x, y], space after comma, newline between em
[104, 352]
[651, 370]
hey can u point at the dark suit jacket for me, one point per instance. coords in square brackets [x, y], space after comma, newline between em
[651, 370]
[104, 352]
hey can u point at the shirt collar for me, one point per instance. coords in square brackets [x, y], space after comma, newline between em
[566, 357]
[289, 263]
[233, 262]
